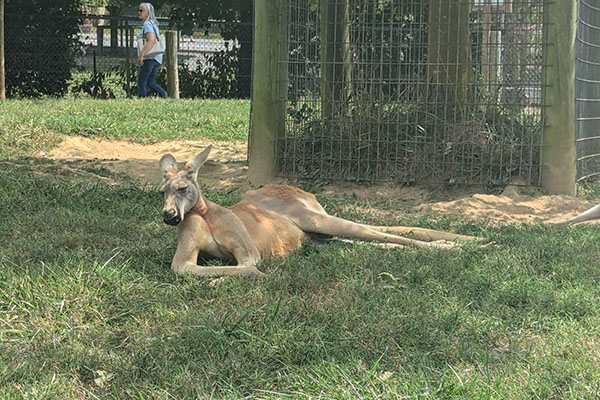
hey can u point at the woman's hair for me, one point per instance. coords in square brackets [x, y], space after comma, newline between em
[151, 15]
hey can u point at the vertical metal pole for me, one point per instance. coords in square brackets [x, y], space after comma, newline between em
[2, 69]
[558, 143]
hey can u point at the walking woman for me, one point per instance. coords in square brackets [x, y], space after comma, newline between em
[149, 66]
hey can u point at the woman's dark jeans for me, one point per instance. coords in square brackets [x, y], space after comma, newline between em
[147, 79]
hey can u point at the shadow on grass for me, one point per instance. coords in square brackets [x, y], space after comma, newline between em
[85, 287]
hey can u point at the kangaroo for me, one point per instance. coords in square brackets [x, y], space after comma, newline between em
[274, 220]
[589, 215]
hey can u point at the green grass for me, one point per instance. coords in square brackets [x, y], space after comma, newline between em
[89, 309]
[27, 126]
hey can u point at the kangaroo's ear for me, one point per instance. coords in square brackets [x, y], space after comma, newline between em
[167, 161]
[194, 164]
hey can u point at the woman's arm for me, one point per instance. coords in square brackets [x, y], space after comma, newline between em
[150, 39]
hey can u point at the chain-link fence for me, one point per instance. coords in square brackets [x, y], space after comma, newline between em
[587, 87]
[413, 90]
[98, 58]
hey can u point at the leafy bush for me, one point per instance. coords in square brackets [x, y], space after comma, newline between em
[411, 142]
[217, 78]
[95, 86]
[39, 44]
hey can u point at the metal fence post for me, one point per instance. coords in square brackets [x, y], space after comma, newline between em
[558, 144]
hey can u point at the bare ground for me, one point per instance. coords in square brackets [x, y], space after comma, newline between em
[227, 169]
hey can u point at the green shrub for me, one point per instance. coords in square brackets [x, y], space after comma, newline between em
[39, 45]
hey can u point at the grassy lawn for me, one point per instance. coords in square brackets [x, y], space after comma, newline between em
[89, 308]
[26, 126]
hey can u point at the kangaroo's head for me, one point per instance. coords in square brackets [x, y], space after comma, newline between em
[180, 187]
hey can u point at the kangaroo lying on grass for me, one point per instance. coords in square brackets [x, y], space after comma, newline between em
[270, 221]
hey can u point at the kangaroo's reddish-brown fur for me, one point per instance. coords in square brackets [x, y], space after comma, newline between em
[274, 220]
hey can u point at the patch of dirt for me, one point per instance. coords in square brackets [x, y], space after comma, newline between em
[227, 169]
[512, 206]
[516, 204]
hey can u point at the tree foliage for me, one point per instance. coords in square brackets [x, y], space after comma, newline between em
[237, 26]
[41, 39]
[226, 10]
[198, 12]
[39, 46]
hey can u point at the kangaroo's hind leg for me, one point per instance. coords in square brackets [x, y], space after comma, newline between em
[310, 221]
[428, 235]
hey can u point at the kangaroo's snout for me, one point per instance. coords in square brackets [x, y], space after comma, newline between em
[171, 217]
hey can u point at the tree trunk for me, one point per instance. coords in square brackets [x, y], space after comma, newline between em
[450, 70]
[336, 67]
[487, 53]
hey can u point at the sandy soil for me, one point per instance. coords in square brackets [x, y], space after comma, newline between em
[227, 169]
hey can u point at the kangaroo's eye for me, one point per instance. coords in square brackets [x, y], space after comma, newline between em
[182, 189]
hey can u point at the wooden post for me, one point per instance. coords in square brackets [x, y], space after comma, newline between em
[100, 37]
[114, 34]
[2, 69]
[172, 71]
[269, 88]
[558, 144]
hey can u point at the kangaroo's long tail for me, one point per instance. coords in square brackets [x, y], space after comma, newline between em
[591, 214]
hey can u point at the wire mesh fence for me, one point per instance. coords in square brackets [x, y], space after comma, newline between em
[413, 90]
[587, 88]
[36, 63]
[98, 58]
